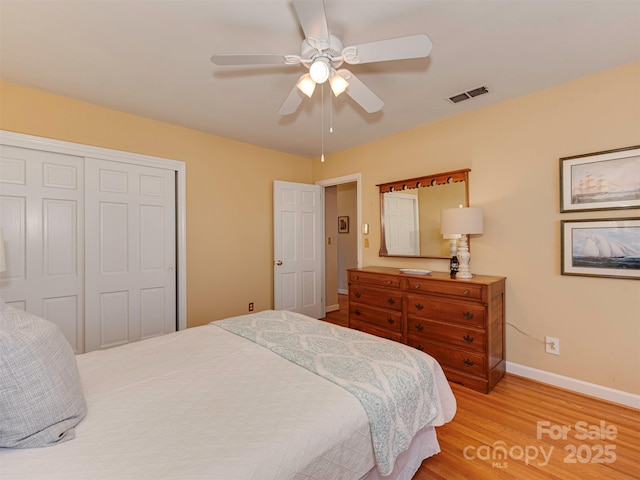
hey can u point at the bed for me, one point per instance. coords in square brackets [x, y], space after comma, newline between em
[271, 395]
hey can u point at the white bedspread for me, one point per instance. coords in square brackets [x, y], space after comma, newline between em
[394, 383]
[147, 421]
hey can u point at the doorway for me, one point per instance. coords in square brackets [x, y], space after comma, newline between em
[343, 246]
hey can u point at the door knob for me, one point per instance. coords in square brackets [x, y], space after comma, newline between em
[278, 262]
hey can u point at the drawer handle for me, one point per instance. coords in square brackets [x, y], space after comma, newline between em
[468, 338]
[419, 327]
[357, 295]
[357, 312]
[467, 315]
[419, 347]
[417, 286]
[356, 277]
[467, 362]
[390, 321]
[419, 306]
[466, 292]
[389, 282]
[391, 301]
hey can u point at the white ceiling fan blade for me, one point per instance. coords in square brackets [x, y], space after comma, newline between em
[362, 94]
[402, 48]
[292, 102]
[259, 59]
[313, 20]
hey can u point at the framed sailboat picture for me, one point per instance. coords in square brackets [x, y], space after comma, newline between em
[601, 247]
[601, 181]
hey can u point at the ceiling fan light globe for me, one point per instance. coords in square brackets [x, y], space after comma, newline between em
[338, 84]
[306, 85]
[320, 70]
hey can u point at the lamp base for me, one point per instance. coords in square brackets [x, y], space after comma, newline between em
[463, 258]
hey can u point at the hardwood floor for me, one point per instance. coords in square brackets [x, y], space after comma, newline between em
[527, 430]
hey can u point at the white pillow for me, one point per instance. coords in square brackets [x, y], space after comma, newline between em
[41, 400]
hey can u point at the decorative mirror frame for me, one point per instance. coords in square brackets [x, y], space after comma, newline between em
[419, 182]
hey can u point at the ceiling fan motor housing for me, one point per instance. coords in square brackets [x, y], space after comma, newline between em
[312, 48]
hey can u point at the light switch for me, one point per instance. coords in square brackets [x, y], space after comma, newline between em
[366, 243]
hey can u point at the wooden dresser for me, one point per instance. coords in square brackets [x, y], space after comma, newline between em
[458, 322]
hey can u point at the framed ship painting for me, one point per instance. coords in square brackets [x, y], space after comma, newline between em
[601, 247]
[601, 181]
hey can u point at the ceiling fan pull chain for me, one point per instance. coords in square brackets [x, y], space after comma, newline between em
[330, 114]
[322, 121]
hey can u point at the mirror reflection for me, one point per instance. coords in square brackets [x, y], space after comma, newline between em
[410, 213]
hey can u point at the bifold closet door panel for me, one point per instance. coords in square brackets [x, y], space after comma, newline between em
[130, 290]
[42, 216]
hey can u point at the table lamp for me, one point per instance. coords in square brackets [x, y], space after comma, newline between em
[463, 221]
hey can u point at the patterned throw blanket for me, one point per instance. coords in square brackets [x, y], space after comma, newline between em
[393, 382]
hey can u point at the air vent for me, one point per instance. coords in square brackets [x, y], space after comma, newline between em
[474, 92]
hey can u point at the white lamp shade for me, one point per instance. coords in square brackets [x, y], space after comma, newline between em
[320, 70]
[306, 85]
[465, 220]
[3, 258]
[338, 83]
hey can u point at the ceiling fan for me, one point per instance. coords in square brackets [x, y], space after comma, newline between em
[323, 54]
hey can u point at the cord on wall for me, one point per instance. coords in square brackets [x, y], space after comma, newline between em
[525, 333]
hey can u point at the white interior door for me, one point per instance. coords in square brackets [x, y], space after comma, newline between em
[401, 221]
[42, 214]
[130, 253]
[298, 213]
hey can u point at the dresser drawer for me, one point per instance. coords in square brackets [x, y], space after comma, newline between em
[459, 289]
[383, 298]
[389, 320]
[460, 337]
[376, 279]
[464, 361]
[378, 332]
[468, 314]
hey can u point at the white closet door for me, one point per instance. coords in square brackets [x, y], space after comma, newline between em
[130, 253]
[42, 214]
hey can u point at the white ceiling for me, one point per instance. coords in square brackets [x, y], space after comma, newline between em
[151, 58]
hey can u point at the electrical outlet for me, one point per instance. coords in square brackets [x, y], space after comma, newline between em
[251, 307]
[552, 345]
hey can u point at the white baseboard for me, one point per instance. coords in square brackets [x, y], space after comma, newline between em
[605, 393]
[343, 291]
[332, 308]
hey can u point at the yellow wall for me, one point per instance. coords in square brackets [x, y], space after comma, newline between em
[229, 192]
[513, 150]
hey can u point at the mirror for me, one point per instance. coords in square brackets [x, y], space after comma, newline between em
[410, 213]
